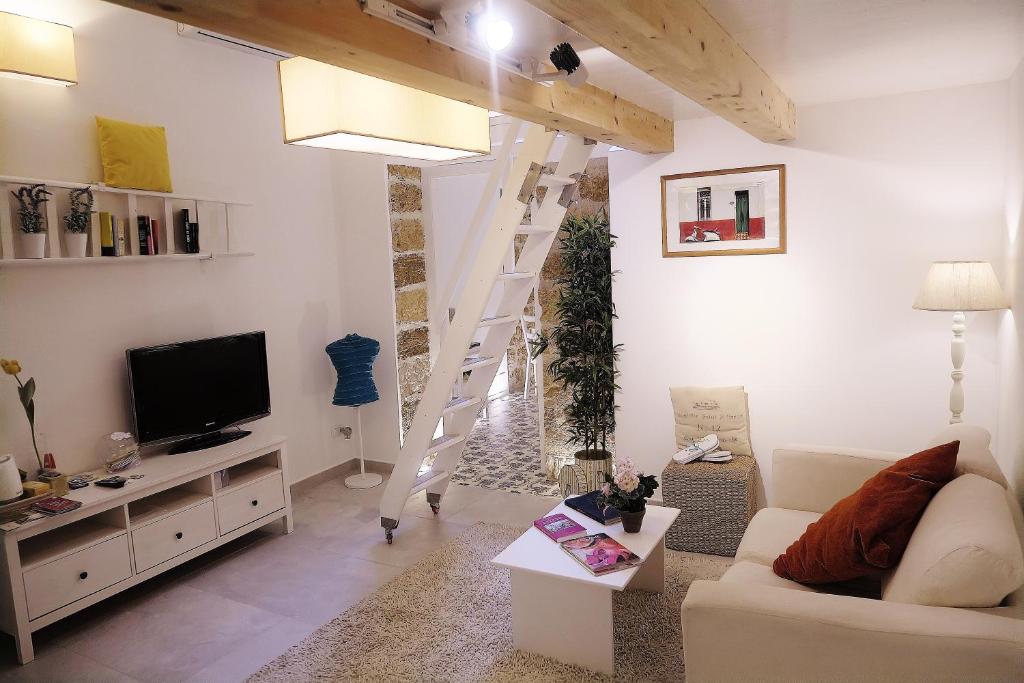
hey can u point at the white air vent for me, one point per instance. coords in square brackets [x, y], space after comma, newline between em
[186, 31]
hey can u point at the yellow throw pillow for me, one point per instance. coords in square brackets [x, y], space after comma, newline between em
[134, 156]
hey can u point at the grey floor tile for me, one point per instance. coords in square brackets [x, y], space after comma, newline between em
[171, 636]
[289, 578]
[246, 659]
[58, 665]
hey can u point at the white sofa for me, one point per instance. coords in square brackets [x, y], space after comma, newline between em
[752, 625]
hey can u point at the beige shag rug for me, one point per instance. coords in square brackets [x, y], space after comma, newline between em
[447, 618]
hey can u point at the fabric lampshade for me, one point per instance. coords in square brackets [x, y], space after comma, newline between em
[326, 106]
[37, 50]
[353, 359]
[960, 286]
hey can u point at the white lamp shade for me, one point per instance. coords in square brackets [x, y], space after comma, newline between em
[326, 106]
[37, 50]
[960, 286]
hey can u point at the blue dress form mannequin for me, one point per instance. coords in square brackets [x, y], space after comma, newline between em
[353, 359]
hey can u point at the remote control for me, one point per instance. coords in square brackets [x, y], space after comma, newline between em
[111, 482]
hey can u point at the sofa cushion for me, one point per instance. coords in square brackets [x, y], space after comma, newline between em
[974, 456]
[761, 575]
[770, 532]
[867, 531]
[965, 551]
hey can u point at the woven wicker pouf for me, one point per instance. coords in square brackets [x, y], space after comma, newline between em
[717, 501]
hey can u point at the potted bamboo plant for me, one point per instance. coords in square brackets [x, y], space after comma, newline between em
[77, 221]
[585, 356]
[30, 219]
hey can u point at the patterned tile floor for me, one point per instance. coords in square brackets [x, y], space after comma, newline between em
[503, 452]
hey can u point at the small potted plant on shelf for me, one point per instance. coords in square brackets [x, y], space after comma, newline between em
[77, 221]
[30, 217]
[628, 492]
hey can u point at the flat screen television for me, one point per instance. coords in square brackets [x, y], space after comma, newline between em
[190, 391]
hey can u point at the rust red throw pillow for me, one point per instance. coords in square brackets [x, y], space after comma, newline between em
[867, 532]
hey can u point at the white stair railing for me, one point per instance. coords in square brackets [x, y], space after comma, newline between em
[468, 324]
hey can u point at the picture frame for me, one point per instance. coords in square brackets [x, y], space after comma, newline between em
[727, 212]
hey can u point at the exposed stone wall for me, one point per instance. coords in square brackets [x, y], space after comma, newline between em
[405, 193]
[591, 196]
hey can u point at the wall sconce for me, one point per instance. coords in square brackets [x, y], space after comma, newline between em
[37, 50]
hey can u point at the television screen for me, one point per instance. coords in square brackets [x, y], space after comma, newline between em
[198, 387]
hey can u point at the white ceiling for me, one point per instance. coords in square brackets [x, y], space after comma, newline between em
[816, 50]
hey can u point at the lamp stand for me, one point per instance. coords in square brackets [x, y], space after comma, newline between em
[957, 351]
[367, 480]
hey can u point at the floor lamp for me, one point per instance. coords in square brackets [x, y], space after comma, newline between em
[353, 359]
[960, 286]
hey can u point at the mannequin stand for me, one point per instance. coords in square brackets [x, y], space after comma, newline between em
[363, 480]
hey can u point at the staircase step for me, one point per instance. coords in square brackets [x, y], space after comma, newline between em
[497, 320]
[443, 442]
[535, 229]
[556, 180]
[426, 480]
[476, 362]
[505, 277]
[455, 405]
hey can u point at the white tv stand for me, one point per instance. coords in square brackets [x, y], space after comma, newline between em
[56, 566]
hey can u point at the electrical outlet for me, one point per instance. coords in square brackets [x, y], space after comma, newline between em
[342, 430]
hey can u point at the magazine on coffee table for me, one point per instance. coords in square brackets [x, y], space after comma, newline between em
[560, 528]
[601, 554]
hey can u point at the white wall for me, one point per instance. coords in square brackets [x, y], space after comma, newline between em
[824, 338]
[1010, 442]
[366, 277]
[70, 326]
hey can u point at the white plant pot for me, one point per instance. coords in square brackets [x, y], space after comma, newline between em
[76, 243]
[33, 245]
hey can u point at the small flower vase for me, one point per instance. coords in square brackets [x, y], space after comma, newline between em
[76, 243]
[33, 244]
[632, 521]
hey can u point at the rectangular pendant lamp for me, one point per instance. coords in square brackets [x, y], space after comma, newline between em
[327, 106]
[37, 50]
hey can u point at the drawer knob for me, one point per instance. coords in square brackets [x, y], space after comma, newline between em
[255, 503]
[83, 576]
[178, 535]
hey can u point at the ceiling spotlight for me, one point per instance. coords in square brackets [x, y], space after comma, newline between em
[495, 31]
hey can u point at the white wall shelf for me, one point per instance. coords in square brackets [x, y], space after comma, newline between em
[117, 260]
[215, 218]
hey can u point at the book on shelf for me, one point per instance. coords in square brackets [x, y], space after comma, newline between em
[154, 236]
[189, 233]
[588, 506]
[601, 554]
[106, 234]
[121, 243]
[560, 528]
[145, 238]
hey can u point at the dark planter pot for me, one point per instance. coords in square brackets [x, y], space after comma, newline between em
[632, 521]
[591, 454]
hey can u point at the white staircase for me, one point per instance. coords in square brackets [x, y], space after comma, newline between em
[447, 397]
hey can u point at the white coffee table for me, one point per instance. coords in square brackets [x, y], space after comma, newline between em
[561, 610]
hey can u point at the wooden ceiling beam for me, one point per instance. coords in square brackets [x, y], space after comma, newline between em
[340, 33]
[680, 44]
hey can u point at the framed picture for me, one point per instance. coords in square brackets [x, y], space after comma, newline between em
[730, 212]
